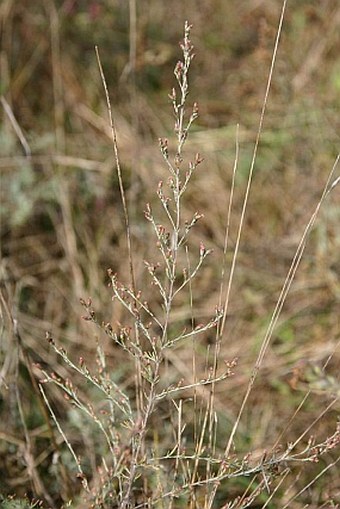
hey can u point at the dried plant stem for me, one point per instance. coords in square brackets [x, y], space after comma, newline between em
[139, 388]
[252, 166]
[67, 442]
[245, 201]
[276, 489]
[119, 171]
[219, 331]
[16, 126]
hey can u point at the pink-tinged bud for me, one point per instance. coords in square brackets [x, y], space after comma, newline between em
[163, 142]
[147, 212]
[202, 249]
[198, 159]
[179, 69]
[172, 95]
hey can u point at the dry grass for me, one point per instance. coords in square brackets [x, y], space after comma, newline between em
[63, 226]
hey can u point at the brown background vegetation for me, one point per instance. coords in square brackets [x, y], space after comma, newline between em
[62, 224]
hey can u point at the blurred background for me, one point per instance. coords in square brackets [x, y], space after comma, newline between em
[62, 224]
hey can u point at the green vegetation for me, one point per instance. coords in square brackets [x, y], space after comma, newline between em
[169, 274]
